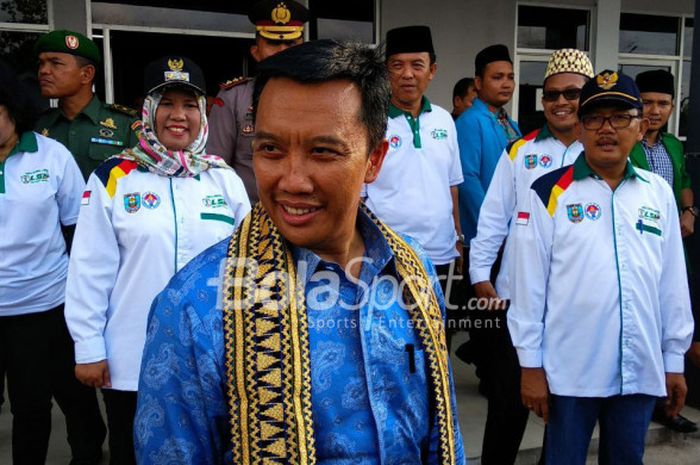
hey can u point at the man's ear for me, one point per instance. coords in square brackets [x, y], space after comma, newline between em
[87, 74]
[478, 83]
[578, 130]
[643, 126]
[433, 70]
[254, 52]
[375, 161]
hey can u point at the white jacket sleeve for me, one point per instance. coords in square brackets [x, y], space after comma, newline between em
[92, 272]
[494, 220]
[237, 199]
[70, 189]
[529, 276]
[674, 300]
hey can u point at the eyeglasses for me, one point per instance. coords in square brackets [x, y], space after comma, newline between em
[553, 95]
[595, 122]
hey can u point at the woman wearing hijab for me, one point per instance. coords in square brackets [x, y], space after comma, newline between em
[145, 214]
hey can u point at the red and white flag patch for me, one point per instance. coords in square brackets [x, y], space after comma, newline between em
[86, 198]
[523, 218]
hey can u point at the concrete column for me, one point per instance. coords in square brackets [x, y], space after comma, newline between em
[74, 15]
[606, 35]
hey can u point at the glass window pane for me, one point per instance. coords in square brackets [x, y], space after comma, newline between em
[23, 11]
[684, 100]
[647, 34]
[237, 7]
[633, 70]
[688, 38]
[17, 49]
[530, 114]
[552, 28]
[332, 20]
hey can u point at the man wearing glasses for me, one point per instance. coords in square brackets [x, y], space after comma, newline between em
[523, 161]
[598, 245]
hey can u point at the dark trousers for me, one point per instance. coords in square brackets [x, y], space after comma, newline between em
[39, 360]
[453, 288]
[121, 410]
[491, 350]
[623, 420]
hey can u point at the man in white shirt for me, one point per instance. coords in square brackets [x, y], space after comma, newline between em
[416, 191]
[598, 246]
[523, 161]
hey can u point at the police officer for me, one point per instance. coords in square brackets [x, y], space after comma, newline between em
[278, 26]
[93, 131]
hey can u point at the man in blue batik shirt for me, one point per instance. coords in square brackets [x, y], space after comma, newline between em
[316, 332]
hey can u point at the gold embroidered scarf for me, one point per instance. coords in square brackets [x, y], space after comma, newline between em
[267, 345]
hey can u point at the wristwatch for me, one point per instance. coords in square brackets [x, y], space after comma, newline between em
[692, 209]
[460, 239]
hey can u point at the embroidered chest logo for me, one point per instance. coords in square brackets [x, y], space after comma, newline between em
[649, 221]
[394, 142]
[530, 161]
[109, 124]
[132, 202]
[593, 211]
[214, 201]
[150, 200]
[35, 177]
[439, 134]
[575, 212]
[545, 161]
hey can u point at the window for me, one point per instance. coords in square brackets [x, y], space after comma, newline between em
[23, 11]
[530, 111]
[552, 28]
[649, 34]
[216, 6]
[334, 20]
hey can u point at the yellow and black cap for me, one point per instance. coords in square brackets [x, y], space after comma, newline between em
[609, 88]
[279, 19]
[174, 71]
[73, 43]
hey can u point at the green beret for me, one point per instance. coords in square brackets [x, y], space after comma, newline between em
[69, 42]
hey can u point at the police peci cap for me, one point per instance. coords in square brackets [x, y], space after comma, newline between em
[656, 80]
[174, 71]
[409, 39]
[612, 88]
[73, 43]
[279, 19]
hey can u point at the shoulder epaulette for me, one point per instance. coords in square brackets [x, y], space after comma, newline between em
[231, 83]
[551, 185]
[122, 109]
[111, 170]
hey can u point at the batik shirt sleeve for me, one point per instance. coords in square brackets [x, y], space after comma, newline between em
[433, 455]
[182, 417]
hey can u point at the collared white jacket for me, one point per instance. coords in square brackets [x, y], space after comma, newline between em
[522, 162]
[135, 230]
[599, 286]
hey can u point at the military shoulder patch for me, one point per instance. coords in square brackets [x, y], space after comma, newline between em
[111, 170]
[122, 109]
[551, 185]
[231, 83]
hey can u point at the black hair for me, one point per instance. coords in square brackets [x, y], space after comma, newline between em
[462, 87]
[16, 97]
[329, 60]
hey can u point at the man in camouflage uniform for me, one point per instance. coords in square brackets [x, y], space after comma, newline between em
[278, 26]
[92, 131]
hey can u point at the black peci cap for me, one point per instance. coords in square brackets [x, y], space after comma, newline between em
[656, 80]
[174, 71]
[498, 52]
[409, 39]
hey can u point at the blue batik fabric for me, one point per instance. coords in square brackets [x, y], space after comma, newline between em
[370, 387]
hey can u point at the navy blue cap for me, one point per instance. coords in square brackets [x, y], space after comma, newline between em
[609, 88]
[174, 71]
